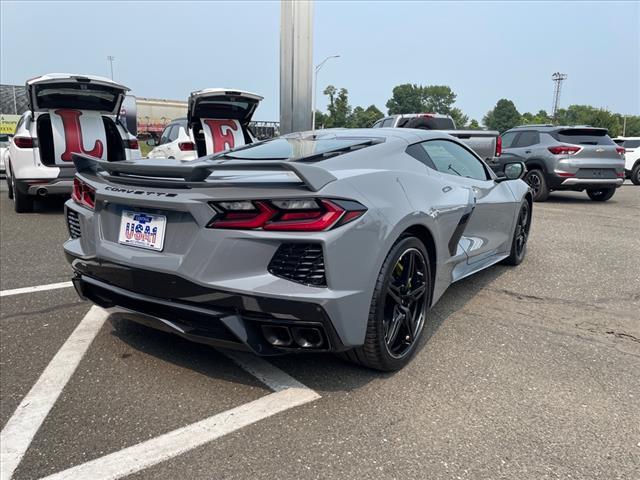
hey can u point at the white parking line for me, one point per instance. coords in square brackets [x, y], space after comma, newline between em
[18, 433]
[21, 428]
[37, 288]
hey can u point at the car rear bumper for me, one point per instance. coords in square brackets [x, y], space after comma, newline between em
[612, 182]
[265, 326]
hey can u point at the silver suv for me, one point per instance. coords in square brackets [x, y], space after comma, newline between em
[566, 158]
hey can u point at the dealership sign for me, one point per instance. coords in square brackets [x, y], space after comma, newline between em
[8, 123]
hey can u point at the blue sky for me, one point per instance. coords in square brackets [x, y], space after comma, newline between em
[483, 50]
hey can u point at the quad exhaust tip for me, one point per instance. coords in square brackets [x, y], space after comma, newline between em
[294, 337]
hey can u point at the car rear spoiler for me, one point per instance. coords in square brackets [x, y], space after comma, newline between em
[194, 173]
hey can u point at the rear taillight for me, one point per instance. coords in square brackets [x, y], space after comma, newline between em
[186, 146]
[498, 146]
[83, 194]
[565, 149]
[23, 142]
[620, 151]
[293, 215]
[131, 144]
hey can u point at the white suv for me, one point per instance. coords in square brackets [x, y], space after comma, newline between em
[67, 114]
[217, 120]
[631, 147]
[174, 142]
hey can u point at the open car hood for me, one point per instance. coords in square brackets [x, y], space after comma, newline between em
[82, 92]
[222, 103]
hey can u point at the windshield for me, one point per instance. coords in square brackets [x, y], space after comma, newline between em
[292, 148]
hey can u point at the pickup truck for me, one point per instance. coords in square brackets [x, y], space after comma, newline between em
[486, 143]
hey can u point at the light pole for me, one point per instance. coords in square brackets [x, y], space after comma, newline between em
[315, 88]
[110, 59]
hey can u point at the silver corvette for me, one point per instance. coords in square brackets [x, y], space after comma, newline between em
[335, 241]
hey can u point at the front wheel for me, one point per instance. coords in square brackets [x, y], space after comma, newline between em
[601, 194]
[537, 182]
[520, 236]
[635, 174]
[398, 308]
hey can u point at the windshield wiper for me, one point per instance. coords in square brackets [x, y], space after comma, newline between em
[454, 170]
[233, 157]
[338, 151]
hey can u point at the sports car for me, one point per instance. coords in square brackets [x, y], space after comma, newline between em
[328, 241]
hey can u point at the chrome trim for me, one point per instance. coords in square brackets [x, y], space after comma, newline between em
[593, 181]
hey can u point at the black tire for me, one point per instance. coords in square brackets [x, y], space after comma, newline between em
[520, 236]
[9, 183]
[389, 307]
[601, 194]
[537, 182]
[22, 202]
[635, 174]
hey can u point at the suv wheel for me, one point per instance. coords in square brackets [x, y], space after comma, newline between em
[535, 179]
[398, 308]
[635, 174]
[9, 181]
[22, 202]
[601, 194]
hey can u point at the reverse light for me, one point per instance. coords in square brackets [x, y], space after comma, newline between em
[23, 142]
[294, 215]
[186, 146]
[83, 194]
[564, 149]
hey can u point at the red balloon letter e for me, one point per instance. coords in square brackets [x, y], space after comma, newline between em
[222, 141]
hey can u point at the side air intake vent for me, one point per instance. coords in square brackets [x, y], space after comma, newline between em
[299, 262]
[73, 222]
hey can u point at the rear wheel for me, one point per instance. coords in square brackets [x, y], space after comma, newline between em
[520, 236]
[398, 308]
[9, 183]
[22, 202]
[635, 174]
[601, 194]
[535, 179]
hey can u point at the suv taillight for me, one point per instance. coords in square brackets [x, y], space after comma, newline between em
[620, 151]
[186, 146]
[565, 150]
[293, 215]
[23, 142]
[131, 144]
[498, 146]
[83, 194]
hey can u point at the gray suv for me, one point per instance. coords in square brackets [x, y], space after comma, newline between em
[566, 158]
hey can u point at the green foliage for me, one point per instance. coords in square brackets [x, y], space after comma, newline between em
[503, 116]
[632, 127]
[542, 117]
[340, 112]
[474, 124]
[364, 118]
[412, 98]
[588, 115]
[460, 119]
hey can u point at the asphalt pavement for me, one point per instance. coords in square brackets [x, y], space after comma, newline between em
[530, 372]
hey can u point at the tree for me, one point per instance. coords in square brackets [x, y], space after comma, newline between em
[364, 118]
[406, 98]
[588, 115]
[459, 118]
[339, 108]
[503, 116]
[438, 99]
[474, 124]
[541, 117]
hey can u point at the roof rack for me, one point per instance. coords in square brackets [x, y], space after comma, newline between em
[535, 125]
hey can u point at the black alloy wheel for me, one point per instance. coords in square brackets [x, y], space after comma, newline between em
[404, 308]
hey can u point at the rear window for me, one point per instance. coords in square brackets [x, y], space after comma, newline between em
[83, 96]
[630, 143]
[291, 148]
[583, 136]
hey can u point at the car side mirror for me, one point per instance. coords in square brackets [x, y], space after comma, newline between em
[512, 171]
[151, 142]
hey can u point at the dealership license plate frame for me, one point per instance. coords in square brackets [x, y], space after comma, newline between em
[142, 219]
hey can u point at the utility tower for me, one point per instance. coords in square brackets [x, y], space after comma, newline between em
[557, 78]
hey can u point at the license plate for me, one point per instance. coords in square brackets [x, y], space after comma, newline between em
[142, 230]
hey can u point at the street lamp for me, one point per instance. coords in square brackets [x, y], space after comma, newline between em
[315, 88]
[110, 59]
